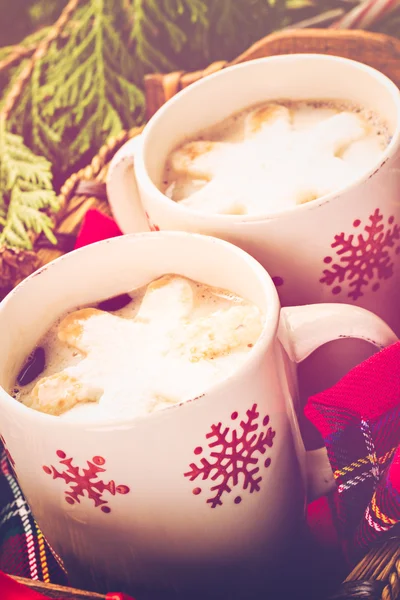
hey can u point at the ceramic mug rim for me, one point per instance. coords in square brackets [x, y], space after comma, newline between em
[267, 336]
[151, 189]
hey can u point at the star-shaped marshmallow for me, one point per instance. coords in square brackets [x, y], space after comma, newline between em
[159, 357]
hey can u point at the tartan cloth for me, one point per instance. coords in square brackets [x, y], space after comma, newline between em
[23, 549]
[359, 419]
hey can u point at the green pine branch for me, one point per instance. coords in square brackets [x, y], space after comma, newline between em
[83, 90]
[13, 60]
[26, 193]
[162, 29]
[45, 11]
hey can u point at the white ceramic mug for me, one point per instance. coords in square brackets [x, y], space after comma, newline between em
[156, 501]
[313, 251]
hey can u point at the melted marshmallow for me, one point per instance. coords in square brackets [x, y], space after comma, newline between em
[167, 346]
[274, 157]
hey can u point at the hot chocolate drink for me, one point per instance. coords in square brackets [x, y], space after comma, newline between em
[162, 344]
[275, 156]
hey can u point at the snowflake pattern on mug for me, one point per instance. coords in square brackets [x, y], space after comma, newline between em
[235, 452]
[85, 482]
[364, 259]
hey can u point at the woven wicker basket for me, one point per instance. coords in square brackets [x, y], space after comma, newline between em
[380, 569]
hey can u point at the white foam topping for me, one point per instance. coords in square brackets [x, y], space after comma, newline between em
[274, 157]
[183, 338]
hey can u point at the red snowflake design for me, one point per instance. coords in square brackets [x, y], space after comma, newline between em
[85, 482]
[364, 258]
[7, 453]
[237, 454]
[152, 226]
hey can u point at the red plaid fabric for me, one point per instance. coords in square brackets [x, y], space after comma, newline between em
[359, 419]
[23, 549]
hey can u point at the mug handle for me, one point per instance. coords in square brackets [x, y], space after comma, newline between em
[122, 190]
[303, 329]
